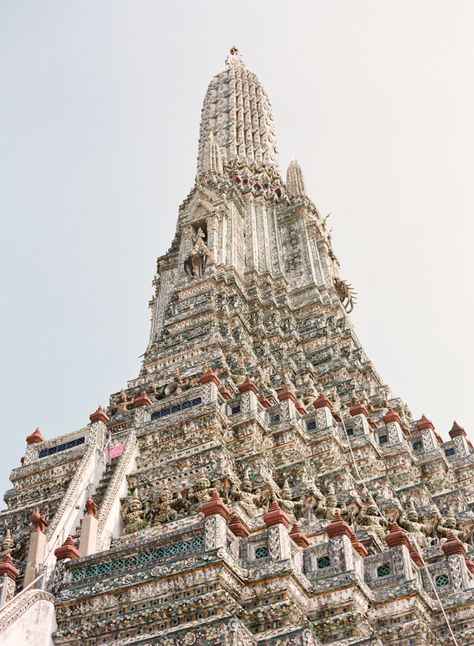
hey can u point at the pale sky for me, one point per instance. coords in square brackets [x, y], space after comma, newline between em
[99, 115]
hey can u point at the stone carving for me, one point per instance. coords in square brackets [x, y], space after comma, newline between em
[446, 525]
[331, 502]
[409, 520]
[284, 499]
[8, 543]
[161, 508]
[369, 518]
[198, 258]
[246, 498]
[202, 493]
[312, 504]
[346, 294]
[133, 513]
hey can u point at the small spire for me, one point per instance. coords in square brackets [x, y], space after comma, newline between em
[456, 431]
[212, 160]
[424, 423]
[294, 179]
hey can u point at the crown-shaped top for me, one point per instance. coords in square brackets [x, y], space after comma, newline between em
[238, 115]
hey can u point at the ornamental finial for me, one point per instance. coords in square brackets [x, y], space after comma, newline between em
[234, 59]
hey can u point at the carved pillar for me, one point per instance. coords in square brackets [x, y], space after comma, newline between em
[323, 408]
[279, 545]
[216, 514]
[359, 422]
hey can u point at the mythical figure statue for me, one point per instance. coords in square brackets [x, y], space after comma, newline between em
[369, 519]
[331, 503]
[202, 493]
[238, 370]
[247, 499]
[8, 544]
[448, 524]
[346, 294]
[409, 520]
[311, 505]
[284, 499]
[161, 509]
[197, 259]
[133, 513]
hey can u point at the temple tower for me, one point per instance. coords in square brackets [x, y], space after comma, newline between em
[257, 483]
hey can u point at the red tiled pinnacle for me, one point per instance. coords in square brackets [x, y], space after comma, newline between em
[286, 393]
[338, 527]
[358, 409]
[35, 437]
[7, 568]
[276, 516]
[424, 423]
[264, 401]
[248, 386]
[392, 416]
[68, 550]
[398, 536]
[209, 377]
[322, 402]
[298, 536]
[215, 506]
[141, 400]
[456, 431]
[225, 392]
[99, 415]
[300, 407]
[453, 546]
[237, 527]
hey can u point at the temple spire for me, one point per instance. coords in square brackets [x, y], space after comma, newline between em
[294, 179]
[237, 112]
[212, 159]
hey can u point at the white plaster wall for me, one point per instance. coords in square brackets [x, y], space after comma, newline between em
[34, 627]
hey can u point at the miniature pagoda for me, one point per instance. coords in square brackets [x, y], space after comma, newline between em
[257, 483]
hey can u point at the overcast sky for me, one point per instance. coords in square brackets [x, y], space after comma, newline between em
[99, 116]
